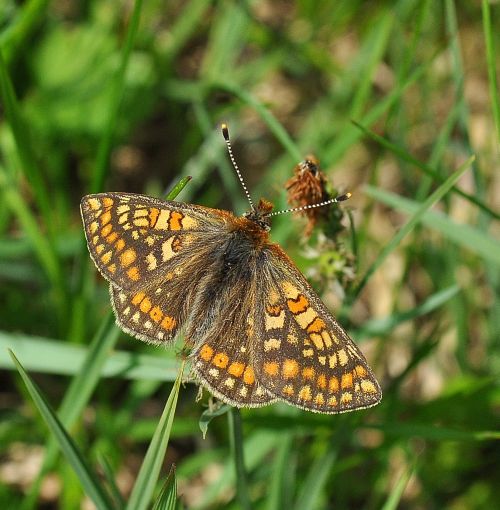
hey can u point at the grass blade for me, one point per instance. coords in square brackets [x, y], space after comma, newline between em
[172, 194]
[167, 500]
[410, 225]
[55, 357]
[350, 134]
[78, 394]
[280, 490]
[394, 498]
[13, 38]
[435, 433]
[42, 246]
[469, 237]
[492, 70]
[400, 153]
[384, 325]
[23, 141]
[118, 86]
[315, 481]
[272, 122]
[88, 478]
[143, 489]
[107, 471]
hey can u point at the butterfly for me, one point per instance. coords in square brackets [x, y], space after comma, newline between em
[258, 332]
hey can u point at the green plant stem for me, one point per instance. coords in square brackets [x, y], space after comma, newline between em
[491, 60]
[236, 442]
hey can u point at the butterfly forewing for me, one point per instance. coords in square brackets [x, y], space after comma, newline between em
[153, 252]
[307, 359]
[137, 240]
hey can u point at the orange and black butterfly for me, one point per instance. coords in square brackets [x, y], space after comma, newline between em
[258, 331]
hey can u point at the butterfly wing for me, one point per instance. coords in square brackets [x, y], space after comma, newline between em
[153, 315]
[220, 325]
[154, 253]
[135, 239]
[223, 363]
[303, 356]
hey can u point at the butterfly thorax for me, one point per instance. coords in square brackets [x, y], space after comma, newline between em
[255, 225]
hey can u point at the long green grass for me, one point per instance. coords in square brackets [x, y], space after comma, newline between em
[400, 102]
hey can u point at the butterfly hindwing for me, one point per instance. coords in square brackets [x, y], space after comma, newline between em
[229, 373]
[153, 315]
[220, 326]
[307, 359]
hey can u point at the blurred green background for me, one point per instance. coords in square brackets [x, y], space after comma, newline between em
[129, 96]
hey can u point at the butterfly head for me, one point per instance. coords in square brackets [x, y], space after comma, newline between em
[260, 214]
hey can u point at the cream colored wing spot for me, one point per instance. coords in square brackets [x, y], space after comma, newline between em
[123, 208]
[151, 262]
[343, 358]
[275, 322]
[167, 250]
[162, 220]
[272, 344]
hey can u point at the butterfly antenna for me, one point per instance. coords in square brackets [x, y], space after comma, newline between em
[335, 200]
[225, 134]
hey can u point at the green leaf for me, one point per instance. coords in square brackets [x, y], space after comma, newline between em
[411, 224]
[88, 479]
[467, 236]
[142, 492]
[167, 500]
[209, 414]
[89, 363]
